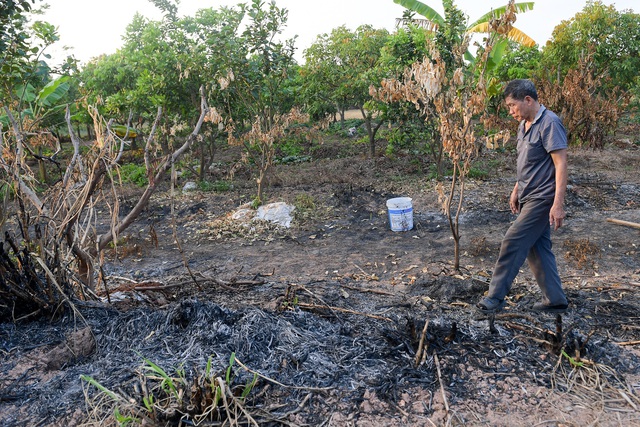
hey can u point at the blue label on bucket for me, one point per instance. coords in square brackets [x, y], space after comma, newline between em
[401, 219]
[399, 211]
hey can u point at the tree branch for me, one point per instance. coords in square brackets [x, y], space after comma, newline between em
[76, 150]
[104, 239]
[15, 172]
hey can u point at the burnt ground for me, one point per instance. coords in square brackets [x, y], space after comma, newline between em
[330, 312]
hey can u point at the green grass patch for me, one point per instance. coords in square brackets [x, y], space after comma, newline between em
[477, 173]
[134, 174]
[215, 186]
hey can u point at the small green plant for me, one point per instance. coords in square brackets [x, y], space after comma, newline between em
[291, 145]
[476, 173]
[173, 399]
[305, 207]
[149, 403]
[123, 412]
[290, 301]
[575, 363]
[134, 174]
[217, 186]
[232, 360]
[256, 203]
[124, 420]
[168, 384]
[100, 387]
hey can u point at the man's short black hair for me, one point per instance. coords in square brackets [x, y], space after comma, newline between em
[518, 89]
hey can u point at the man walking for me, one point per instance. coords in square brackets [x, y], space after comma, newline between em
[538, 198]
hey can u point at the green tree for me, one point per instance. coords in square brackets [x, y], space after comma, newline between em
[340, 68]
[610, 38]
[12, 21]
[163, 64]
[518, 62]
[247, 73]
[264, 86]
[32, 100]
[320, 77]
[218, 52]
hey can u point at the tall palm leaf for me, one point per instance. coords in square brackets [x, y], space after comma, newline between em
[498, 12]
[421, 9]
[515, 35]
[481, 25]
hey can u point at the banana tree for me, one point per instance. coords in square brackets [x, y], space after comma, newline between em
[481, 25]
[36, 109]
[44, 103]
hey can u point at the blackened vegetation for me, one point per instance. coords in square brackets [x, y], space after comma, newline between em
[30, 284]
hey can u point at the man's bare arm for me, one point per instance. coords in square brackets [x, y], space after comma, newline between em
[557, 214]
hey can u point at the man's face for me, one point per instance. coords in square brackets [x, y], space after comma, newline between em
[519, 110]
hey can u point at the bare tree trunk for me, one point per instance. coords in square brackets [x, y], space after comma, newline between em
[203, 156]
[453, 222]
[42, 169]
[14, 172]
[164, 143]
[75, 159]
[372, 131]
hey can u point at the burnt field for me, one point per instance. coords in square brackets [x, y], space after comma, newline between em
[338, 321]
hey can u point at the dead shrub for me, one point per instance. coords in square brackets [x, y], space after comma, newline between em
[589, 111]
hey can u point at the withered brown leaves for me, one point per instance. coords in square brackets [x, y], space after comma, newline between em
[590, 111]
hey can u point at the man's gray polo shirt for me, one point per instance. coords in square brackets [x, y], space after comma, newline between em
[536, 171]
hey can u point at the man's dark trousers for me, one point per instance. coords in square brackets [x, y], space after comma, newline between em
[529, 237]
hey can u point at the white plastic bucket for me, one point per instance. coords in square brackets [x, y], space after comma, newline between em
[400, 213]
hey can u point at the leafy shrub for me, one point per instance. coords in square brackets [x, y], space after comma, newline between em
[342, 128]
[291, 147]
[134, 174]
[477, 173]
[294, 159]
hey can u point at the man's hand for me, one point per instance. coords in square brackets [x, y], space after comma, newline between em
[513, 200]
[556, 215]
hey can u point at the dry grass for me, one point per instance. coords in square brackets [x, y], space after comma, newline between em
[581, 253]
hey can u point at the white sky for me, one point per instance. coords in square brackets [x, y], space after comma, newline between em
[94, 27]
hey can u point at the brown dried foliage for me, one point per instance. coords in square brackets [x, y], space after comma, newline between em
[589, 111]
[60, 250]
[260, 142]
